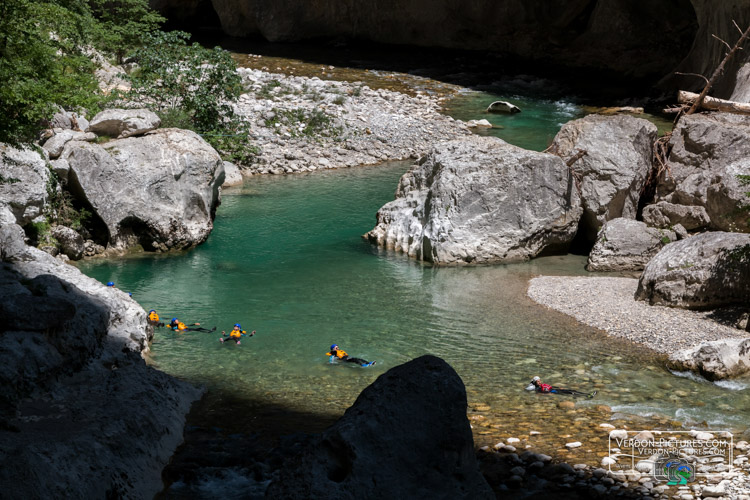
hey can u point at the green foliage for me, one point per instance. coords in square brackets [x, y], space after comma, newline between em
[123, 23]
[231, 141]
[39, 233]
[43, 64]
[301, 122]
[8, 180]
[267, 89]
[60, 209]
[173, 75]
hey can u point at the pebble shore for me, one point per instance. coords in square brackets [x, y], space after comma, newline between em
[302, 124]
[608, 304]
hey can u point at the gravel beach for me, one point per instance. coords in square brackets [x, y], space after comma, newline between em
[608, 304]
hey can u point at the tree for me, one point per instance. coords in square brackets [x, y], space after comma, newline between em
[193, 87]
[123, 23]
[41, 66]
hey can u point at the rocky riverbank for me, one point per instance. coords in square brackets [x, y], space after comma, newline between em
[609, 304]
[82, 415]
[301, 124]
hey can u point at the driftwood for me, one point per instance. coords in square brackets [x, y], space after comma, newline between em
[713, 103]
[699, 101]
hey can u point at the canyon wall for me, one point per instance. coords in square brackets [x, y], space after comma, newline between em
[636, 38]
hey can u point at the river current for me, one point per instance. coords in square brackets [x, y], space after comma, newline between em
[286, 259]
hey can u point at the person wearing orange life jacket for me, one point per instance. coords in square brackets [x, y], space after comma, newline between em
[336, 353]
[236, 334]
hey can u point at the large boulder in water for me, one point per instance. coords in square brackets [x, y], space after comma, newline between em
[159, 191]
[406, 436]
[716, 360]
[704, 271]
[480, 200]
[24, 178]
[614, 168]
[626, 245]
[708, 153]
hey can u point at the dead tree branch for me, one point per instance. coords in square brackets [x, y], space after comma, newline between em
[713, 103]
[718, 71]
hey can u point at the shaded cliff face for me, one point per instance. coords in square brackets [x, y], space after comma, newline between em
[636, 38]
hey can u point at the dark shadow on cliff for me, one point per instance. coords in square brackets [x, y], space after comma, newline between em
[730, 277]
[579, 45]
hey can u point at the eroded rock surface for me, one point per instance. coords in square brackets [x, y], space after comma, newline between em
[83, 416]
[406, 436]
[23, 185]
[480, 200]
[717, 360]
[614, 168]
[159, 191]
[709, 152]
[121, 123]
[704, 271]
[626, 245]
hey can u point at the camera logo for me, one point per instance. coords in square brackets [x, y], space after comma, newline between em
[674, 470]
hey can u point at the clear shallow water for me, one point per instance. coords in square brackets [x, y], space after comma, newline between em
[533, 128]
[543, 111]
[286, 259]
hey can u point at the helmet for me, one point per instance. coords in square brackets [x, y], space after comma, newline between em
[174, 319]
[152, 311]
[110, 283]
[334, 347]
[536, 379]
[237, 325]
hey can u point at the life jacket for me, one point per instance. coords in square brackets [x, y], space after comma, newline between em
[179, 326]
[153, 317]
[235, 334]
[543, 388]
[338, 353]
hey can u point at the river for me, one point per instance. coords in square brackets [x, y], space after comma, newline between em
[286, 259]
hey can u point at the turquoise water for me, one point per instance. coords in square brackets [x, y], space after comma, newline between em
[286, 259]
[541, 117]
[533, 128]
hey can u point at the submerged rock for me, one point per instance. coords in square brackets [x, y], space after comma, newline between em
[159, 191]
[503, 107]
[715, 360]
[480, 200]
[626, 245]
[406, 436]
[704, 271]
[614, 168]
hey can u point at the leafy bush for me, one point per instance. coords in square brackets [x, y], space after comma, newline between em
[201, 83]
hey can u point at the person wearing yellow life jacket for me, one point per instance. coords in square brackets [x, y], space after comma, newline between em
[153, 318]
[236, 334]
[336, 353]
[178, 326]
